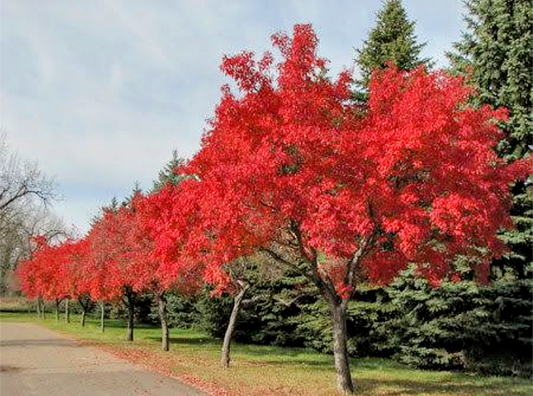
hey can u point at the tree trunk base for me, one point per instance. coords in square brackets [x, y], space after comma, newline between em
[226, 345]
[102, 316]
[67, 311]
[162, 308]
[342, 363]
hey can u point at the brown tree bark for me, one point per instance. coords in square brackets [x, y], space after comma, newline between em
[43, 309]
[102, 316]
[162, 307]
[337, 304]
[129, 300]
[67, 310]
[84, 304]
[340, 352]
[226, 345]
[38, 306]
[58, 301]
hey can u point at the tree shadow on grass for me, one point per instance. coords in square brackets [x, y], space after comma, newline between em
[117, 324]
[195, 341]
[453, 384]
[389, 387]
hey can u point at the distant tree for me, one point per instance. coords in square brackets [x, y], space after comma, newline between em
[158, 275]
[18, 225]
[245, 275]
[495, 54]
[21, 181]
[79, 279]
[150, 209]
[45, 275]
[392, 40]
[25, 195]
[104, 268]
[169, 173]
[115, 254]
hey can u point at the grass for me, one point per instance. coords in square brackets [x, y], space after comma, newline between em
[267, 370]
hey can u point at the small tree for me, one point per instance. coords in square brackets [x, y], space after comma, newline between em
[46, 274]
[108, 275]
[151, 215]
[79, 278]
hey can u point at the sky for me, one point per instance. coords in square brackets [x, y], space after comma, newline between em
[100, 92]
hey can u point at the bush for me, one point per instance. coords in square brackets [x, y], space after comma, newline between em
[267, 315]
[182, 311]
[458, 326]
[462, 325]
[365, 318]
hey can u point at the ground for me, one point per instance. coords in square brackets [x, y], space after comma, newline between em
[35, 361]
[267, 370]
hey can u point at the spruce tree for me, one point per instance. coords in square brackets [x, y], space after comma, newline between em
[392, 39]
[168, 173]
[495, 54]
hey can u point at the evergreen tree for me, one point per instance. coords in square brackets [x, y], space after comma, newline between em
[134, 191]
[392, 39]
[495, 52]
[113, 206]
[168, 173]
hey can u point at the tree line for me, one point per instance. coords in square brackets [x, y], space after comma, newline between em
[302, 173]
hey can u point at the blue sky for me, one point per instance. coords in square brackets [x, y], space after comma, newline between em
[100, 92]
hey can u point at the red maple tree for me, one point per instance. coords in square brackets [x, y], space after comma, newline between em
[78, 277]
[108, 264]
[122, 262]
[157, 215]
[46, 274]
[291, 168]
[29, 271]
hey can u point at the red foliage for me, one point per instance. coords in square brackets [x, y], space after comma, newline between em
[290, 163]
[122, 254]
[118, 254]
[169, 217]
[47, 274]
[291, 166]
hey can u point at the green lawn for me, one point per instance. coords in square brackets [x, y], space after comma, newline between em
[264, 370]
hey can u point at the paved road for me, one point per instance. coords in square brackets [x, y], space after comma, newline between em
[35, 361]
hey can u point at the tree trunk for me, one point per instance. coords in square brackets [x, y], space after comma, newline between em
[130, 305]
[84, 304]
[102, 316]
[39, 312]
[83, 313]
[225, 359]
[43, 309]
[129, 335]
[340, 352]
[57, 309]
[162, 305]
[67, 310]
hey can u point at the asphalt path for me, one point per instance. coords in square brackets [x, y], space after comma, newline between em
[35, 361]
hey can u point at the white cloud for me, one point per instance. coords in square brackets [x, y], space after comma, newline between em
[99, 93]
